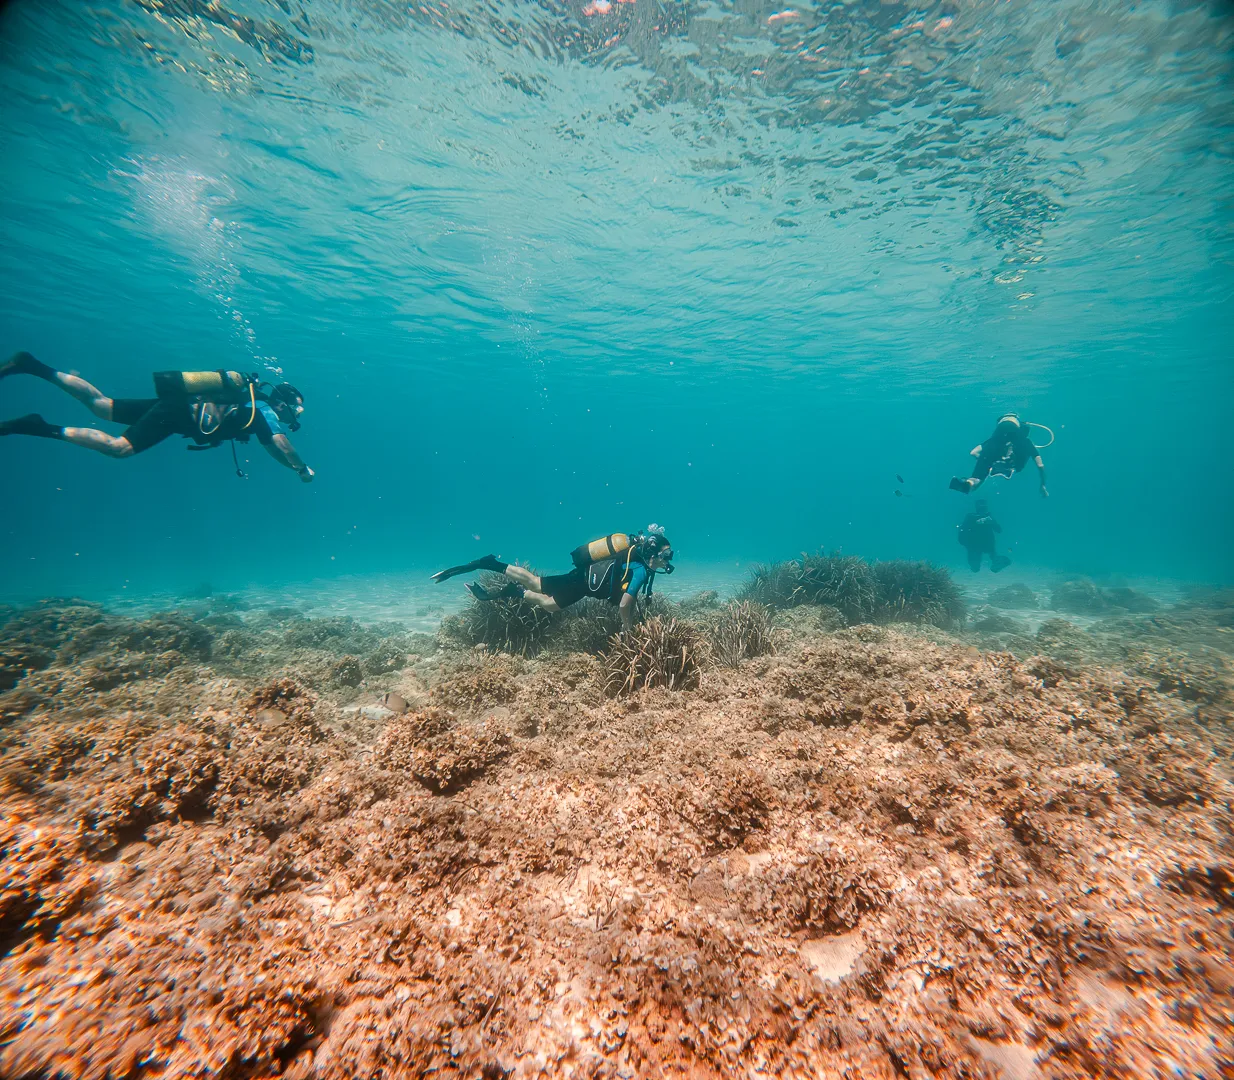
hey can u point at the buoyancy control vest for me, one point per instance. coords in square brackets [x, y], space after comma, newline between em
[223, 404]
[609, 579]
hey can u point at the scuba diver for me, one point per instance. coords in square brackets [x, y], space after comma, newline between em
[615, 568]
[1005, 453]
[209, 407]
[976, 533]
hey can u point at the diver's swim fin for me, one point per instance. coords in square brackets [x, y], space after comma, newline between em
[488, 562]
[23, 363]
[31, 424]
[999, 562]
[507, 591]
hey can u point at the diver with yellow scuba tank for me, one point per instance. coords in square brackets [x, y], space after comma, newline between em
[615, 568]
[209, 407]
[1005, 453]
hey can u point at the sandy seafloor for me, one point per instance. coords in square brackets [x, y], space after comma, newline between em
[1001, 849]
[412, 598]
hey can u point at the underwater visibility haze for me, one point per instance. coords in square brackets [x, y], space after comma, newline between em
[547, 270]
[382, 759]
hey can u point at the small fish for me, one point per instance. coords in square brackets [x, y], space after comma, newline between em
[396, 703]
[899, 493]
[900, 478]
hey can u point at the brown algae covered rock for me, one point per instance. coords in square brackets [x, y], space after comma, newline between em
[876, 852]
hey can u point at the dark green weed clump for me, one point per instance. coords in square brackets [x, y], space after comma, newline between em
[507, 624]
[898, 590]
[512, 625]
[918, 592]
[585, 627]
[656, 653]
[844, 582]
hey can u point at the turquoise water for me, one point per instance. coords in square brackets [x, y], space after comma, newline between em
[543, 273]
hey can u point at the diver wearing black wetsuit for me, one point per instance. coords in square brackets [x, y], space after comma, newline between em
[208, 407]
[1004, 453]
[976, 533]
[615, 568]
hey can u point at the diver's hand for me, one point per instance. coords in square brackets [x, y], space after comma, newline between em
[1044, 493]
[975, 451]
[306, 474]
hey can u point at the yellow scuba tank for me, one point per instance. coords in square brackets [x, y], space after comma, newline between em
[225, 387]
[605, 548]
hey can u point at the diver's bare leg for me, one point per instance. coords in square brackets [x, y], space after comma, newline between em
[87, 393]
[541, 600]
[520, 575]
[116, 446]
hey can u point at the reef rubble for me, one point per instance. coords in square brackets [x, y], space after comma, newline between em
[251, 844]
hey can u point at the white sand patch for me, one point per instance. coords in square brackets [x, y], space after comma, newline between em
[833, 957]
[1012, 1060]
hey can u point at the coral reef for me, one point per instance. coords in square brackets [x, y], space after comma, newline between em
[877, 852]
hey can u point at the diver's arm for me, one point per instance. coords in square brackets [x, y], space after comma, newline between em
[1041, 475]
[626, 610]
[280, 448]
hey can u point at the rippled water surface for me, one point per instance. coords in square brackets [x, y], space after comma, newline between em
[543, 268]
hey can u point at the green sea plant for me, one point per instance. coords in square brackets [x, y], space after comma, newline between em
[895, 591]
[742, 631]
[916, 591]
[844, 582]
[657, 653]
[586, 627]
[507, 624]
[775, 585]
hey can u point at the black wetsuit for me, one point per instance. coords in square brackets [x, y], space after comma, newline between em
[977, 533]
[207, 423]
[608, 580]
[1005, 452]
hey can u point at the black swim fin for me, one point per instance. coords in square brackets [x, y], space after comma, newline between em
[488, 562]
[31, 424]
[999, 562]
[23, 363]
[506, 592]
